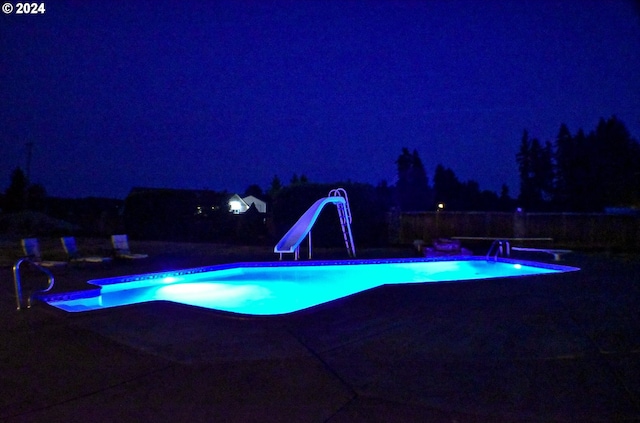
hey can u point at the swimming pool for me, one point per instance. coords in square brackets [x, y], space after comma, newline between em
[283, 287]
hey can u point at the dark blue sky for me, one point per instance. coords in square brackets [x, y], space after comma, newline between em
[224, 94]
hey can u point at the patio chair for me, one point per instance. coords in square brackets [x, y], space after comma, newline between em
[70, 247]
[446, 247]
[121, 248]
[31, 248]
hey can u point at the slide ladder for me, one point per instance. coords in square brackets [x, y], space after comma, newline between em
[290, 242]
[344, 212]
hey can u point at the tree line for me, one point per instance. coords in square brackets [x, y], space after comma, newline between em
[574, 173]
[581, 172]
[413, 192]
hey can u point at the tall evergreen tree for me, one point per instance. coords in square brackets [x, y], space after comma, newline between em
[275, 187]
[535, 164]
[565, 162]
[616, 158]
[527, 192]
[447, 188]
[596, 170]
[583, 174]
[417, 169]
[542, 169]
[412, 188]
[15, 197]
[457, 195]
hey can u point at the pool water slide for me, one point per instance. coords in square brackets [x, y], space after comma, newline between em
[290, 242]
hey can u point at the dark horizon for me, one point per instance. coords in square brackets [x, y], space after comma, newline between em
[222, 96]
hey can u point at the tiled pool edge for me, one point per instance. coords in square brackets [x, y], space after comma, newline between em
[137, 280]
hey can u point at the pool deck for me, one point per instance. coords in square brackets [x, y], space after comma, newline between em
[549, 348]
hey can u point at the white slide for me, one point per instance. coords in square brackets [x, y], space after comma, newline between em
[292, 239]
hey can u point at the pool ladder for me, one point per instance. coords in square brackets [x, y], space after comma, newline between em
[18, 283]
[499, 247]
[344, 213]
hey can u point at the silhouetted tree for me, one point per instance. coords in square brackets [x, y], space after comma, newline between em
[412, 188]
[523, 158]
[461, 196]
[566, 160]
[295, 180]
[447, 188]
[535, 164]
[616, 162]
[384, 194]
[597, 170]
[21, 195]
[275, 187]
[582, 172]
[505, 202]
[15, 197]
[543, 169]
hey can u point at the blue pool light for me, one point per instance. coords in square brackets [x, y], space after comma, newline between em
[279, 288]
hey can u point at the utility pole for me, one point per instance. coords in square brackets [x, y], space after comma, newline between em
[29, 148]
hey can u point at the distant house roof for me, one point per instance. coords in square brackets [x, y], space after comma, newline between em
[260, 205]
[197, 198]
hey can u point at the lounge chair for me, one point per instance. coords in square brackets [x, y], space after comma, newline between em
[446, 247]
[121, 248]
[31, 248]
[70, 247]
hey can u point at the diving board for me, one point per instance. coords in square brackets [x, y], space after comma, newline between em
[556, 253]
[290, 242]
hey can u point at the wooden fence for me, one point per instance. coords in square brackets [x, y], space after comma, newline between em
[568, 230]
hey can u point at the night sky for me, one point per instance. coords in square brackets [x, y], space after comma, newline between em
[224, 94]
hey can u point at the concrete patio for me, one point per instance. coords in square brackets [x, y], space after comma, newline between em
[551, 348]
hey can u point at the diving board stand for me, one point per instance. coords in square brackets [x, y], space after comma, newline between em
[505, 241]
[290, 242]
[557, 253]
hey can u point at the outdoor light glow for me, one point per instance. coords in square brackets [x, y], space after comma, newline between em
[212, 295]
[279, 289]
[235, 205]
[170, 279]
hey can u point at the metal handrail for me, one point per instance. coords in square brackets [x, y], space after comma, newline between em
[344, 212]
[341, 192]
[500, 246]
[18, 283]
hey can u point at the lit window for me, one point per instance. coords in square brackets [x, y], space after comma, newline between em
[235, 206]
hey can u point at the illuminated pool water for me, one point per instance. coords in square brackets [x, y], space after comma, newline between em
[278, 288]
